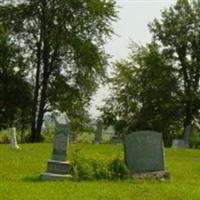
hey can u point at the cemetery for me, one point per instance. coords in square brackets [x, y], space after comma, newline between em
[81, 121]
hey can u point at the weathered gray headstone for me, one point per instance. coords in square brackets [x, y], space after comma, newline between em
[186, 135]
[58, 167]
[178, 143]
[182, 143]
[13, 139]
[116, 140]
[98, 133]
[144, 151]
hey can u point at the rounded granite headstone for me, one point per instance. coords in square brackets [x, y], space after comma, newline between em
[144, 151]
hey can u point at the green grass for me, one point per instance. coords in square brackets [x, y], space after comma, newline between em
[20, 169]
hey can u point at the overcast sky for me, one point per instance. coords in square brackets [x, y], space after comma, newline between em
[134, 16]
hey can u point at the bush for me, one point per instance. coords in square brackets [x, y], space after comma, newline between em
[195, 140]
[92, 169]
[118, 168]
[47, 135]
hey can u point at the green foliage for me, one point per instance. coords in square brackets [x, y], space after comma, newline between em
[21, 136]
[158, 86]
[178, 35]
[118, 168]
[63, 42]
[144, 94]
[15, 91]
[93, 169]
[194, 139]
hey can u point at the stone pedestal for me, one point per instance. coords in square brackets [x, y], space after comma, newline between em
[159, 175]
[13, 139]
[57, 170]
[58, 167]
[50, 176]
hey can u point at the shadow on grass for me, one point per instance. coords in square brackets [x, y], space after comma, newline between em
[33, 179]
[38, 179]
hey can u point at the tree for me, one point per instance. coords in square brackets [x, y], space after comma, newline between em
[178, 35]
[158, 92]
[144, 93]
[15, 91]
[64, 42]
[120, 107]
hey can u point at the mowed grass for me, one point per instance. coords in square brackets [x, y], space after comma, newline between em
[20, 169]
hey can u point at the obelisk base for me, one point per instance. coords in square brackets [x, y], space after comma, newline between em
[56, 170]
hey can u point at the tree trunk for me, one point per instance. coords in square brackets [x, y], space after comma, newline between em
[41, 109]
[187, 122]
[38, 107]
[36, 95]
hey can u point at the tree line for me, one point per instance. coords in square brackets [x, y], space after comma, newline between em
[157, 86]
[52, 57]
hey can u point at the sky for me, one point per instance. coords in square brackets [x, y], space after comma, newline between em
[134, 17]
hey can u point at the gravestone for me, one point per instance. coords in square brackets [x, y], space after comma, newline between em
[116, 140]
[186, 135]
[98, 133]
[13, 139]
[182, 143]
[58, 167]
[178, 143]
[144, 152]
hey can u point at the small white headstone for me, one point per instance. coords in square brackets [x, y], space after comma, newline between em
[13, 140]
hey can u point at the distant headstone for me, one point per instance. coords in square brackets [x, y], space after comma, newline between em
[178, 143]
[98, 133]
[144, 152]
[13, 139]
[186, 135]
[57, 167]
[116, 140]
[182, 143]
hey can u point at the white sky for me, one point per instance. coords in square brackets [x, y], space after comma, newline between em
[134, 16]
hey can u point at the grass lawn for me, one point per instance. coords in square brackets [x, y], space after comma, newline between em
[19, 171]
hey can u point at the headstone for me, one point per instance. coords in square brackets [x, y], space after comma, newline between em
[98, 133]
[58, 167]
[144, 152]
[13, 139]
[186, 135]
[182, 143]
[116, 140]
[178, 143]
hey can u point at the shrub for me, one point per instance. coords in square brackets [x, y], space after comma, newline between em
[92, 169]
[195, 140]
[118, 168]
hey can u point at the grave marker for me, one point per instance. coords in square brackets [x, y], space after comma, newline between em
[13, 139]
[58, 167]
[182, 143]
[98, 133]
[144, 152]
